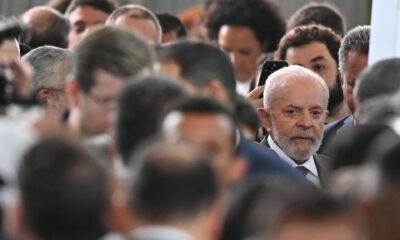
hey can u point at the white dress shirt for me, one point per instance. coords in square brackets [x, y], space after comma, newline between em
[243, 88]
[312, 174]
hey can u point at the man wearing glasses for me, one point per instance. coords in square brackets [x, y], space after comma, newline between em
[100, 66]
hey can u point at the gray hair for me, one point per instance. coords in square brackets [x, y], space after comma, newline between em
[277, 81]
[50, 67]
[137, 12]
[356, 39]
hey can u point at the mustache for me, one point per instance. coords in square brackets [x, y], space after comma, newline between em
[308, 133]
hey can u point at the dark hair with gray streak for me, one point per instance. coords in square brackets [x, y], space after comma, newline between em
[356, 39]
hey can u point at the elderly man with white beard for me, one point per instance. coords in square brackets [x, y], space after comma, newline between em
[295, 108]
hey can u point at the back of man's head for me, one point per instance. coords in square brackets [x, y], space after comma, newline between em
[113, 50]
[378, 79]
[316, 214]
[173, 183]
[356, 40]
[142, 106]
[107, 6]
[50, 65]
[319, 13]
[45, 26]
[379, 192]
[170, 23]
[204, 64]
[64, 192]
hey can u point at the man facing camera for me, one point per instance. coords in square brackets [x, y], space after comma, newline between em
[295, 101]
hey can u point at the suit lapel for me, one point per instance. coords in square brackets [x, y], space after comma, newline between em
[322, 164]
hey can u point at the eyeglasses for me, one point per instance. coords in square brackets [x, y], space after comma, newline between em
[56, 89]
[109, 105]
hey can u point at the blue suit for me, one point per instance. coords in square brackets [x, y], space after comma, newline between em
[264, 161]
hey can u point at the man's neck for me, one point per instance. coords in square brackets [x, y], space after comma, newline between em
[196, 228]
[337, 113]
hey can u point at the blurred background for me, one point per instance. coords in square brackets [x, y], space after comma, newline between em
[356, 11]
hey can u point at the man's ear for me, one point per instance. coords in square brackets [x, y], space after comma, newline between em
[43, 96]
[73, 89]
[216, 90]
[340, 78]
[265, 118]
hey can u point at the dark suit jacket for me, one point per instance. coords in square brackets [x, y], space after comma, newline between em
[333, 129]
[261, 160]
[321, 162]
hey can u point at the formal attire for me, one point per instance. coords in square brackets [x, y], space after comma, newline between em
[315, 169]
[160, 232]
[333, 129]
[261, 160]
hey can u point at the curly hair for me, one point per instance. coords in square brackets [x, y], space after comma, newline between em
[303, 35]
[261, 16]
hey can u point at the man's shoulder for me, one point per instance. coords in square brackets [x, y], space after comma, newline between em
[264, 160]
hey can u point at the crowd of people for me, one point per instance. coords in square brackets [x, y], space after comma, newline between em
[120, 123]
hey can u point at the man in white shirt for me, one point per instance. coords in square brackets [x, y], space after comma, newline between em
[295, 108]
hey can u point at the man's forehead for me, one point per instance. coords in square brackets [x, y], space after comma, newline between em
[314, 50]
[87, 13]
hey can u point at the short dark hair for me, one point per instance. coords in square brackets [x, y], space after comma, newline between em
[55, 34]
[169, 23]
[59, 5]
[205, 105]
[380, 78]
[142, 106]
[314, 207]
[111, 49]
[204, 64]
[171, 181]
[107, 6]
[256, 204]
[263, 17]
[245, 113]
[303, 35]
[319, 13]
[64, 191]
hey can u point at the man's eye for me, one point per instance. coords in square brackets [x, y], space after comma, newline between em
[290, 112]
[316, 113]
[79, 29]
[245, 52]
[352, 83]
[318, 68]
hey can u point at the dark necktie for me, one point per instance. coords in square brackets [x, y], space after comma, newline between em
[302, 170]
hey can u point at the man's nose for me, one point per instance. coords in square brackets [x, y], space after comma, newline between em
[305, 120]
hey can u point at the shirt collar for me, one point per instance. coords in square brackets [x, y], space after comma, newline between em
[309, 164]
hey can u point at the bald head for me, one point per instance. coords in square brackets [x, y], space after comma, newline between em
[139, 20]
[291, 76]
[45, 26]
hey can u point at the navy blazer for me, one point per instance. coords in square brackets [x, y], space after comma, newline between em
[262, 160]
